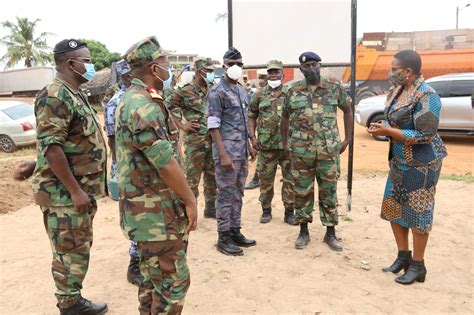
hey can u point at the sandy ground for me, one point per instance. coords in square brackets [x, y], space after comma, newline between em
[272, 277]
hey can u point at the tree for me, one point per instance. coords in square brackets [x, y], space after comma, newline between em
[101, 56]
[23, 45]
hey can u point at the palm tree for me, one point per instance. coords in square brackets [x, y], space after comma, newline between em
[22, 45]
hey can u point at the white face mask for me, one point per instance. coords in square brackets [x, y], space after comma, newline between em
[234, 72]
[274, 83]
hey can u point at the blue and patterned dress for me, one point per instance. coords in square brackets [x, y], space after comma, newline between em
[415, 163]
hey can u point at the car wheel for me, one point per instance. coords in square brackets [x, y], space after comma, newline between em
[7, 144]
[380, 119]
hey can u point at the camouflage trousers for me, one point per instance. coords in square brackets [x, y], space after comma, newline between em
[199, 161]
[304, 169]
[268, 161]
[230, 191]
[70, 235]
[166, 277]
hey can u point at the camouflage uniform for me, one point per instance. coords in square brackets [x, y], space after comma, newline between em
[151, 213]
[190, 101]
[64, 117]
[266, 108]
[314, 143]
[227, 111]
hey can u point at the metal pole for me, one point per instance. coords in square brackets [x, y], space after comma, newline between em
[350, 167]
[230, 29]
[457, 17]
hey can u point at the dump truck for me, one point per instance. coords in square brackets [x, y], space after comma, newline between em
[442, 52]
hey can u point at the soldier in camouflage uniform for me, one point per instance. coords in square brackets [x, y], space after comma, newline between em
[265, 114]
[227, 123]
[70, 172]
[133, 271]
[310, 109]
[190, 101]
[262, 77]
[152, 185]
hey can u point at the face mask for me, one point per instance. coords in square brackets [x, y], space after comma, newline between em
[217, 80]
[167, 82]
[234, 72]
[274, 83]
[209, 77]
[312, 75]
[395, 79]
[90, 71]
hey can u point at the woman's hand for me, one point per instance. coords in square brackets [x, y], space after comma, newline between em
[377, 129]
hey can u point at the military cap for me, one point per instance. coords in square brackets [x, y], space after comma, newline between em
[309, 56]
[122, 67]
[233, 54]
[148, 49]
[262, 72]
[67, 45]
[274, 64]
[203, 63]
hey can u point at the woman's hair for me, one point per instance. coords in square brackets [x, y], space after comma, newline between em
[409, 59]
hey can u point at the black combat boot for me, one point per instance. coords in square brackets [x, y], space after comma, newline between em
[254, 183]
[84, 307]
[240, 239]
[226, 245]
[210, 210]
[331, 240]
[266, 215]
[303, 238]
[133, 273]
[416, 272]
[289, 216]
[402, 262]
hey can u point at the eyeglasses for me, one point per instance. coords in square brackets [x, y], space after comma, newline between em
[83, 60]
[230, 64]
[309, 65]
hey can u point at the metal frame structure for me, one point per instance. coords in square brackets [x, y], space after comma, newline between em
[352, 64]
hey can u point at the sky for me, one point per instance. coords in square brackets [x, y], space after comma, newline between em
[189, 26]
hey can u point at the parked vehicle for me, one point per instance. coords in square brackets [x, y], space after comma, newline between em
[457, 111]
[17, 125]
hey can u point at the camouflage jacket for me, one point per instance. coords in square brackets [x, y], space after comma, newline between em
[64, 117]
[266, 107]
[228, 113]
[312, 113]
[149, 210]
[190, 101]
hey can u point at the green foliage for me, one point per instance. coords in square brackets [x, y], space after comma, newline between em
[467, 177]
[101, 56]
[23, 45]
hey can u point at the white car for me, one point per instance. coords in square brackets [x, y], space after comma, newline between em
[17, 125]
[457, 111]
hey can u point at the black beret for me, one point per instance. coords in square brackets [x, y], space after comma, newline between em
[67, 45]
[309, 56]
[232, 54]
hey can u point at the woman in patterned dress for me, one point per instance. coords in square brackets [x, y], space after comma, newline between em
[416, 152]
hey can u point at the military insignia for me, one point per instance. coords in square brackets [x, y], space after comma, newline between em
[303, 59]
[72, 44]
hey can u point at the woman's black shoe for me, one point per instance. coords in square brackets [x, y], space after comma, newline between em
[402, 262]
[416, 272]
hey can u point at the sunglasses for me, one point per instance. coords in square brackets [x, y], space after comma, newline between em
[230, 64]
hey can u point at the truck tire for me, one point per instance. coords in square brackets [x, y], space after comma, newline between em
[364, 93]
[7, 144]
[379, 118]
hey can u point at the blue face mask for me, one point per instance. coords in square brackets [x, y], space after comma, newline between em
[90, 71]
[210, 77]
[167, 82]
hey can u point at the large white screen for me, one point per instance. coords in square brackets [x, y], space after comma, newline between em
[283, 29]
